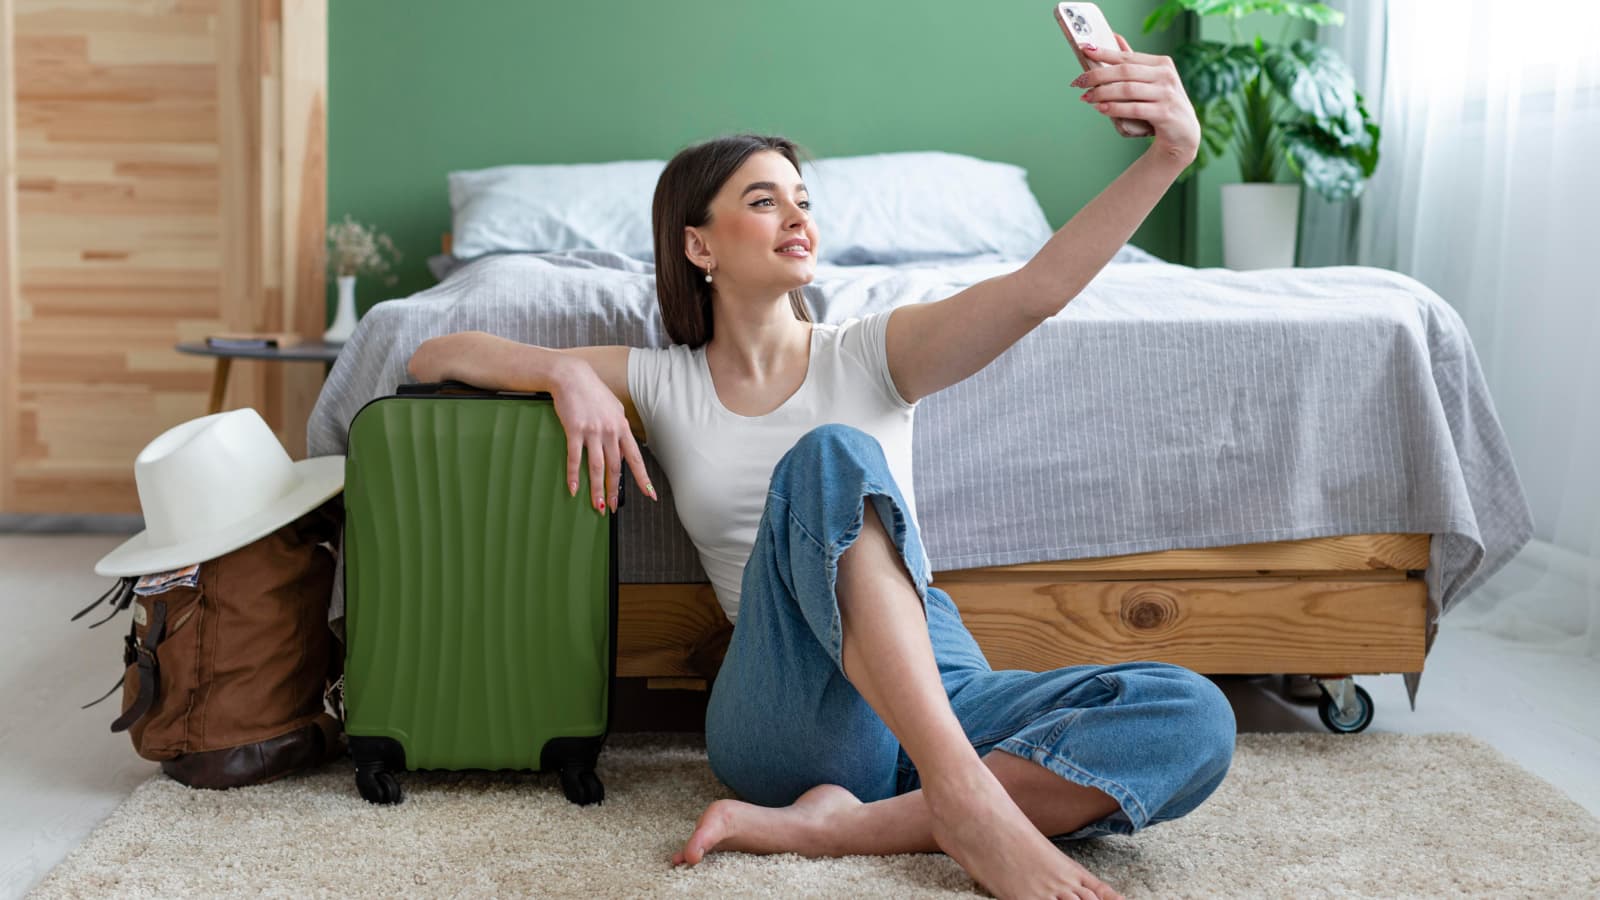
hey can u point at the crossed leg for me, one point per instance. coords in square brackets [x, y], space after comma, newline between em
[991, 814]
[905, 678]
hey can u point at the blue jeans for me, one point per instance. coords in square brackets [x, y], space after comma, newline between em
[782, 718]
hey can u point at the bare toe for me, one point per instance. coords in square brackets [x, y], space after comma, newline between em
[713, 826]
[803, 827]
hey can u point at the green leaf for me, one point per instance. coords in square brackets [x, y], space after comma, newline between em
[1318, 13]
[1322, 164]
[1231, 8]
[1367, 156]
[1318, 83]
[1165, 14]
[1216, 131]
[1365, 152]
[1211, 70]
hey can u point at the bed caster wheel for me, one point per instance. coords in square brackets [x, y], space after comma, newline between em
[378, 786]
[1356, 717]
[581, 786]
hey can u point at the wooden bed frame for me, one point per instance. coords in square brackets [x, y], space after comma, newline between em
[1330, 607]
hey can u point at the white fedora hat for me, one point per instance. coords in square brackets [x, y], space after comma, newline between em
[215, 484]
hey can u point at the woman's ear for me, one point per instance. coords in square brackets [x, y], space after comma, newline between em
[694, 247]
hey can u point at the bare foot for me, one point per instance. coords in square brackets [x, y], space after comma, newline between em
[735, 825]
[976, 822]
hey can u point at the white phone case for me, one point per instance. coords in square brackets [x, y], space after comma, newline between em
[1084, 23]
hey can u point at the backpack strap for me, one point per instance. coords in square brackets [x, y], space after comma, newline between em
[120, 595]
[130, 654]
[107, 693]
[149, 669]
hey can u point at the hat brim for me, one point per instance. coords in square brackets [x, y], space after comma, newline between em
[320, 477]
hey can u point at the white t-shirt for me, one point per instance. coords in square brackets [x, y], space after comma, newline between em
[720, 463]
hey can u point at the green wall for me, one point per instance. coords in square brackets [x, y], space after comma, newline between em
[418, 88]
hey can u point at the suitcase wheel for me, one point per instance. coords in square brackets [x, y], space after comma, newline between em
[581, 785]
[378, 785]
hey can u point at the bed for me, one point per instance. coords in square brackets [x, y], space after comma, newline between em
[1285, 471]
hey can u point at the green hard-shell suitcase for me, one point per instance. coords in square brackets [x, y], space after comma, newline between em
[480, 596]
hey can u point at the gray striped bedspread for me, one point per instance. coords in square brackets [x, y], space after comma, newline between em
[1165, 407]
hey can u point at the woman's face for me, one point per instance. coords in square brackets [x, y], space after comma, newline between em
[760, 208]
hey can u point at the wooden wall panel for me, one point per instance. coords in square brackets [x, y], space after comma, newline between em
[117, 225]
[302, 195]
[153, 200]
[9, 416]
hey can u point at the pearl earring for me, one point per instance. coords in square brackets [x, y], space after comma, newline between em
[708, 276]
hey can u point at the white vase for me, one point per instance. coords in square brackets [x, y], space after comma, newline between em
[1259, 222]
[344, 319]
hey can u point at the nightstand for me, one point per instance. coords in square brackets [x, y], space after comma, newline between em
[307, 351]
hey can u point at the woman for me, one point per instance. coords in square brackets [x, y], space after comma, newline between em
[854, 710]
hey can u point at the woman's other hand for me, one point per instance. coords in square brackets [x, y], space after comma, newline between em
[1146, 87]
[591, 416]
[594, 420]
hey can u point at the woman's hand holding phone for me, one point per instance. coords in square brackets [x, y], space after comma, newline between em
[1143, 86]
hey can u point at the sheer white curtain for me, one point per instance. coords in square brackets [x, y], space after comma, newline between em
[1488, 191]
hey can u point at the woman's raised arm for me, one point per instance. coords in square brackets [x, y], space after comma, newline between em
[1129, 86]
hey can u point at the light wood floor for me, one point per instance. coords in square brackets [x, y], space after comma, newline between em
[62, 771]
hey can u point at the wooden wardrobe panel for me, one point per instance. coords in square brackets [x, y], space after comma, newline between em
[117, 208]
[8, 256]
[155, 201]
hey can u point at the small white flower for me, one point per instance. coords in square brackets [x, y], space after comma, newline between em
[356, 249]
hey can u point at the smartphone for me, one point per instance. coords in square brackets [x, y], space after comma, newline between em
[1085, 23]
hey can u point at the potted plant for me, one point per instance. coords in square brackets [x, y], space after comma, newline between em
[354, 249]
[1293, 104]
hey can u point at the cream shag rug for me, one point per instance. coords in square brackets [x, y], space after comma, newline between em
[1300, 815]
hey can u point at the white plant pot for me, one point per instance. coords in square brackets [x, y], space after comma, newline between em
[1259, 223]
[344, 319]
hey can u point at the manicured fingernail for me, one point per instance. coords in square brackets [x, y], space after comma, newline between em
[650, 489]
[1084, 97]
[572, 488]
[1089, 47]
[1103, 106]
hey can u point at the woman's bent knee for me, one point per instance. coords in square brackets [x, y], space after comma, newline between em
[836, 434]
[1203, 732]
[1200, 721]
[817, 448]
[1212, 723]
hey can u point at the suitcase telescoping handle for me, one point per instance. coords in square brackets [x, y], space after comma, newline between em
[461, 389]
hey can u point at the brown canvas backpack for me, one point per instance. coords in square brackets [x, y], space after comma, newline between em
[227, 663]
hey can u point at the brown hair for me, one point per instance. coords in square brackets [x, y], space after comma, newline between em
[683, 199]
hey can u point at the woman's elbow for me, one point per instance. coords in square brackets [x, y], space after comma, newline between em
[420, 366]
[432, 358]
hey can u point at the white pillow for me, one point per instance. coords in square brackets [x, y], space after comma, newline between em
[891, 208]
[879, 209]
[540, 208]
